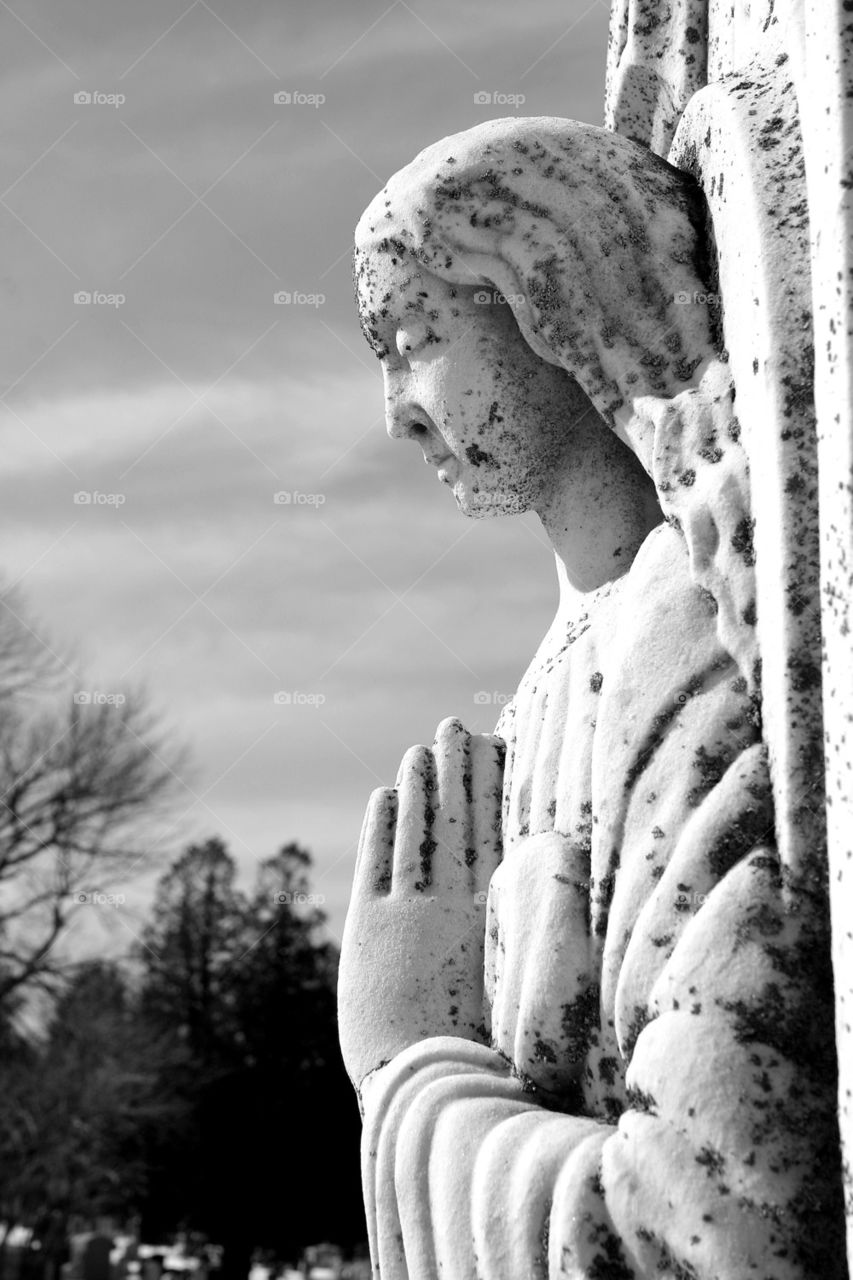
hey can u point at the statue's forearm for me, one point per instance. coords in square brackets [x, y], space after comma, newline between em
[462, 1170]
[465, 1175]
[722, 1159]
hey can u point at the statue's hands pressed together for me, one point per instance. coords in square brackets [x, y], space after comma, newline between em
[412, 954]
[540, 978]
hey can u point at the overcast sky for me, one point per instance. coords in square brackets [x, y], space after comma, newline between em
[197, 398]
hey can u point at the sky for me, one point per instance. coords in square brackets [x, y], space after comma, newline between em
[298, 646]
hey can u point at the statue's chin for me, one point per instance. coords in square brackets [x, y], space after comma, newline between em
[481, 503]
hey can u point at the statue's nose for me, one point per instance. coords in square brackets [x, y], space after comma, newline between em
[405, 426]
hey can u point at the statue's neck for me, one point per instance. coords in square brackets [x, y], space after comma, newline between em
[597, 521]
[598, 515]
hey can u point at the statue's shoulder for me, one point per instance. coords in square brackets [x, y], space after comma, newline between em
[650, 619]
[663, 625]
[660, 588]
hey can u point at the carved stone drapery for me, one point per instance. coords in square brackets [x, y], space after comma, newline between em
[786, 248]
[653, 969]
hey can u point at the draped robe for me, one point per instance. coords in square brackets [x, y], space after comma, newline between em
[658, 1095]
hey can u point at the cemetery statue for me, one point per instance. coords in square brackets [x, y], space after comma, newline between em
[586, 990]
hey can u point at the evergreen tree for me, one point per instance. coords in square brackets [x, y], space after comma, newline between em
[245, 986]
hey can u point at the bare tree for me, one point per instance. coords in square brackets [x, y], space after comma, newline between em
[85, 778]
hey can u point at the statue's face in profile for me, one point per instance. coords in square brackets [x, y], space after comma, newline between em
[494, 419]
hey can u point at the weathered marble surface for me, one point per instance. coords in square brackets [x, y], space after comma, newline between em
[660, 55]
[806, 47]
[653, 970]
[627, 1067]
[740, 137]
[826, 115]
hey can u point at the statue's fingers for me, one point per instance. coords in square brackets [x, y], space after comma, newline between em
[504, 965]
[492, 953]
[487, 771]
[375, 856]
[452, 751]
[453, 831]
[414, 845]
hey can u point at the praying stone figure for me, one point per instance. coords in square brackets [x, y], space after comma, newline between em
[586, 990]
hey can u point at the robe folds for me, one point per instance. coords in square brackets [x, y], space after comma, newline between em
[658, 1096]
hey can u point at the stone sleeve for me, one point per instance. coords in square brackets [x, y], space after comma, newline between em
[462, 1170]
[723, 1165]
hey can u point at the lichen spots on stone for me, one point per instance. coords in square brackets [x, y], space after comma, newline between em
[667, 1264]
[544, 1051]
[710, 766]
[768, 136]
[478, 457]
[742, 540]
[578, 1018]
[428, 844]
[607, 1068]
[805, 672]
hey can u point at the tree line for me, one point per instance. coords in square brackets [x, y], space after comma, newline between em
[195, 1083]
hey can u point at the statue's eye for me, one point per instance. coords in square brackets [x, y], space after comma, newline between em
[411, 337]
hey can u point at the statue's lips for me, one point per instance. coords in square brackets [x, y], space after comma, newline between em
[445, 463]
